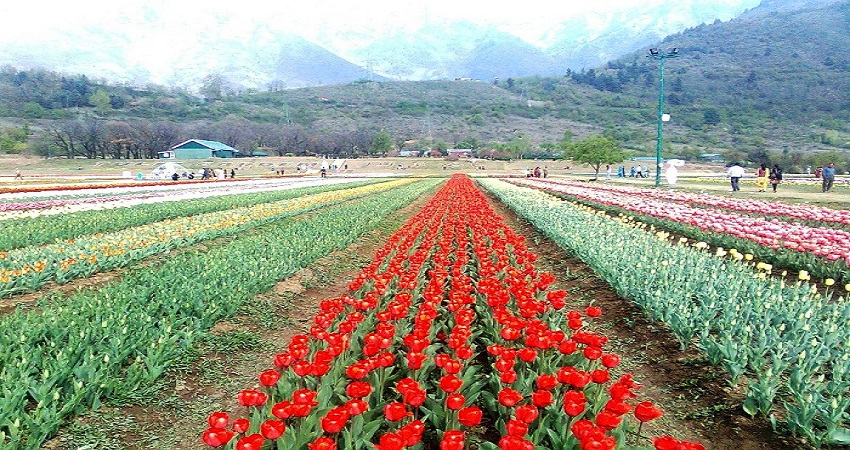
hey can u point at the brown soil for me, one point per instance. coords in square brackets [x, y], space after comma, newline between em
[697, 405]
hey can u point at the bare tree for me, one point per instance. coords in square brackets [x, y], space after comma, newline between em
[66, 136]
[153, 137]
[93, 138]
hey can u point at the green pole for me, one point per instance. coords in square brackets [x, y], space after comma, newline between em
[660, 114]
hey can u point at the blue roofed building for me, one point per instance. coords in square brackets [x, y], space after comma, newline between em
[200, 149]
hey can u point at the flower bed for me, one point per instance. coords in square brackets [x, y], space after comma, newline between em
[449, 338]
[823, 251]
[765, 208]
[787, 342]
[52, 202]
[47, 229]
[113, 342]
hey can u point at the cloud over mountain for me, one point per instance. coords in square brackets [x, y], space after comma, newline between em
[163, 43]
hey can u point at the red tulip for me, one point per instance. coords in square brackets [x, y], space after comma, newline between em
[599, 376]
[455, 402]
[508, 376]
[665, 443]
[355, 407]
[218, 420]
[618, 406]
[411, 433]
[469, 416]
[542, 398]
[509, 397]
[302, 368]
[250, 397]
[335, 420]
[527, 354]
[504, 364]
[322, 443]
[515, 443]
[608, 420]
[216, 437]
[386, 359]
[450, 383]
[592, 353]
[415, 397]
[272, 429]
[593, 311]
[282, 410]
[610, 360]
[252, 442]
[464, 352]
[547, 381]
[579, 379]
[241, 425]
[452, 440]
[415, 360]
[452, 366]
[567, 347]
[304, 397]
[356, 371]
[269, 378]
[390, 441]
[358, 389]
[282, 360]
[396, 411]
[526, 413]
[515, 427]
[574, 402]
[646, 411]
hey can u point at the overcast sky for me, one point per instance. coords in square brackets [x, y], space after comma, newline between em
[33, 20]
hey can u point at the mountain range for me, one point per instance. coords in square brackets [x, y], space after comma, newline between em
[151, 48]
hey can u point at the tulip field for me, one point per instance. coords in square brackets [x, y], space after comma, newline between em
[801, 237]
[450, 337]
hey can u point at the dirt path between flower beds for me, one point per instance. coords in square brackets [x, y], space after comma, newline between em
[697, 404]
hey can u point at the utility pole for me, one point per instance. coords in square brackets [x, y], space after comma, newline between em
[654, 53]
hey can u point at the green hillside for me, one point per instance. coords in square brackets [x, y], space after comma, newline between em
[772, 86]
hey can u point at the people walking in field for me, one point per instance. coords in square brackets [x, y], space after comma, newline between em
[672, 174]
[608, 172]
[828, 176]
[761, 178]
[735, 173]
[232, 173]
[775, 176]
[645, 171]
[18, 175]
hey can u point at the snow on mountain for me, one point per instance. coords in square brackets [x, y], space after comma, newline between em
[145, 45]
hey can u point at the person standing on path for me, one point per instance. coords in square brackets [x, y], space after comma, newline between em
[828, 176]
[735, 173]
[18, 175]
[761, 177]
[775, 176]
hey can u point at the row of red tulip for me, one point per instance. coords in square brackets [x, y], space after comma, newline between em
[450, 332]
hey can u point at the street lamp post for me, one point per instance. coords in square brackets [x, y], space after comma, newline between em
[654, 53]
